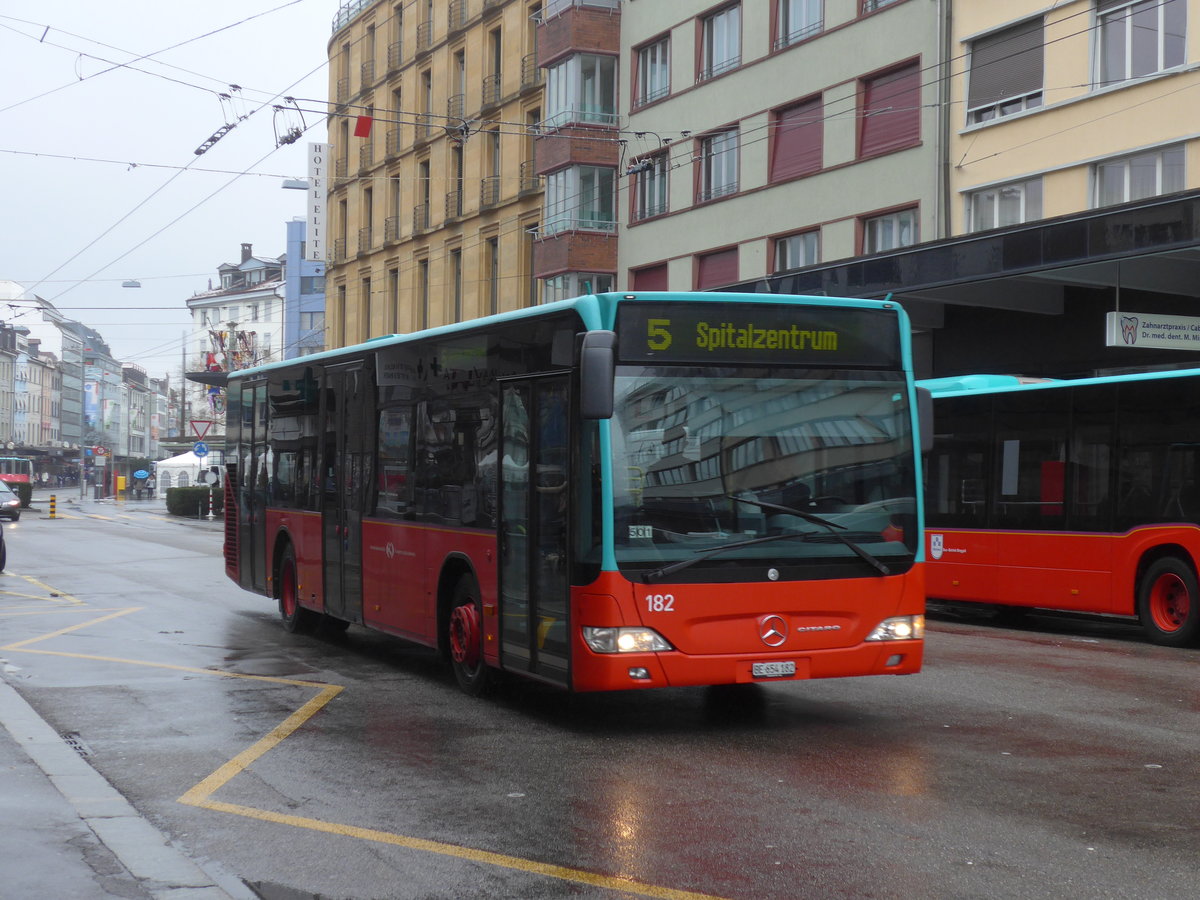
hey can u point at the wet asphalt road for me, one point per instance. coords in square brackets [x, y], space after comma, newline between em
[1058, 760]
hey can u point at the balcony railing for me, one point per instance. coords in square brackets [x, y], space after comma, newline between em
[392, 143]
[339, 250]
[458, 15]
[420, 218]
[491, 89]
[366, 157]
[531, 73]
[364, 240]
[343, 90]
[367, 74]
[530, 181]
[391, 229]
[489, 191]
[455, 106]
[424, 36]
[395, 55]
[454, 204]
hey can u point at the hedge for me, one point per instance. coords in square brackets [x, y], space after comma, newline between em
[193, 501]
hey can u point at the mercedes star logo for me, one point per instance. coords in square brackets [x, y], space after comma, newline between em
[772, 630]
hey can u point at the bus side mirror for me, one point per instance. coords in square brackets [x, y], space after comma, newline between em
[597, 366]
[925, 418]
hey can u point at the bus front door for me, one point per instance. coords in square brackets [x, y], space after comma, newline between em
[534, 584]
[347, 441]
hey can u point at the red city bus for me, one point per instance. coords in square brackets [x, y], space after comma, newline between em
[1079, 495]
[16, 470]
[611, 492]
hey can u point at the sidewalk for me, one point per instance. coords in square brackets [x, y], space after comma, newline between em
[66, 832]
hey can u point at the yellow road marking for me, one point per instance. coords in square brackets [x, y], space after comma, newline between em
[200, 795]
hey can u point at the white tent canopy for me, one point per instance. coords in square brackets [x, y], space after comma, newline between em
[180, 471]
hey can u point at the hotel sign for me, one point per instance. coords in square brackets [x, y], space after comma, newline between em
[1152, 331]
[314, 249]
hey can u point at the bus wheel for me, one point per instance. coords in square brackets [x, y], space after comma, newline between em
[296, 618]
[465, 638]
[1169, 602]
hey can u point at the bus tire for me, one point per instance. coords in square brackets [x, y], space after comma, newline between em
[1169, 602]
[464, 637]
[296, 619]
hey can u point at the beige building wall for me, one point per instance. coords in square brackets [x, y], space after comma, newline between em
[432, 214]
[1080, 121]
[848, 46]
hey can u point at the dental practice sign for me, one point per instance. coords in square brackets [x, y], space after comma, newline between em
[1151, 330]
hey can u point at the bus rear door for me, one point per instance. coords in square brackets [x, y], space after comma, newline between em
[534, 498]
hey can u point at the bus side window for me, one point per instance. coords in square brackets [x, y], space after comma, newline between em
[395, 453]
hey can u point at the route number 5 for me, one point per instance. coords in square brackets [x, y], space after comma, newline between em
[658, 337]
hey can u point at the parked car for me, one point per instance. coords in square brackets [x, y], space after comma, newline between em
[10, 503]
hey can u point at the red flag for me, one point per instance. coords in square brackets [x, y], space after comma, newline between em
[362, 126]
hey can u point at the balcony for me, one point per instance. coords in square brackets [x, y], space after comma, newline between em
[364, 240]
[489, 191]
[367, 75]
[343, 90]
[455, 106]
[391, 229]
[366, 157]
[454, 204]
[392, 142]
[531, 74]
[424, 36]
[338, 250]
[395, 55]
[530, 181]
[458, 15]
[420, 218]
[491, 90]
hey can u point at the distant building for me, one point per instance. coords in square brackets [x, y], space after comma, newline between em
[304, 297]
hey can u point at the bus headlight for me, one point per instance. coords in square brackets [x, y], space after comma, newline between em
[899, 628]
[625, 640]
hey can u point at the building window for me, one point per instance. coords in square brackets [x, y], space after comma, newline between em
[580, 198]
[651, 278]
[718, 165]
[1140, 38]
[1008, 204]
[576, 284]
[890, 117]
[797, 140]
[456, 285]
[650, 187]
[796, 250]
[720, 42]
[653, 72]
[312, 284]
[869, 6]
[1139, 177]
[1006, 72]
[312, 321]
[492, 261]
[716, 269]
[898, 229]
[582, 88]
[798, 19]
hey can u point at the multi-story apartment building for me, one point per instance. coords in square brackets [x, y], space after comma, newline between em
[434, 204]
[1070, 107]
[764, 137]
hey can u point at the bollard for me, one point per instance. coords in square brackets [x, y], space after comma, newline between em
[210, 502]
[53, 502]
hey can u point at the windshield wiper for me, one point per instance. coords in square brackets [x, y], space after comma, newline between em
[833, 527]
[655, 574]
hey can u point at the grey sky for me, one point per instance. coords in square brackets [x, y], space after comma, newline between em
[93, 161]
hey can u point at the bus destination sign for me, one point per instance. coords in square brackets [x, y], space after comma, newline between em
[757, 333]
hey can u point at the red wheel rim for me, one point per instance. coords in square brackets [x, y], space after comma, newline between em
[287, 591]
[1170, 603]
[464, 635]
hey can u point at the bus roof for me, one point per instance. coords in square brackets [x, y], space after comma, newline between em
[597, 311]
[968, 385]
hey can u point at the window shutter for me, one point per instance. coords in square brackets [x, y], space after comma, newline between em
[797, 146]
[717, 269]
[891, 111]
[1006, 64]
[651, 278]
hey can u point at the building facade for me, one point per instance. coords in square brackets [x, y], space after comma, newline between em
[434, 204]
[303, 297]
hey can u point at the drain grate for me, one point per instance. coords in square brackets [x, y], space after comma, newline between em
[75, 741]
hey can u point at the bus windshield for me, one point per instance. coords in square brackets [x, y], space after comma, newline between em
[702, 456]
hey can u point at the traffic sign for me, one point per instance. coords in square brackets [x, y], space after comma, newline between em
[200, 448]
